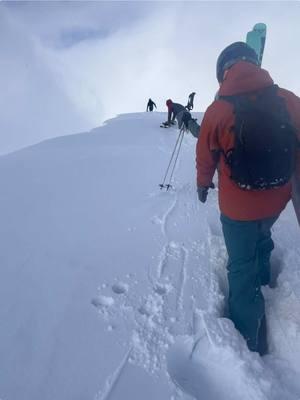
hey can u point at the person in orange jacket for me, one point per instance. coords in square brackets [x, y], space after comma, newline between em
[246, 215]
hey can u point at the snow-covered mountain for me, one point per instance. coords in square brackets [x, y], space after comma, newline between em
[108, 282]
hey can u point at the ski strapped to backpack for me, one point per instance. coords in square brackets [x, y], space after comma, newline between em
[265, 142]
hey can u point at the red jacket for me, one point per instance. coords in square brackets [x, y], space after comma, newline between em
[238, 204]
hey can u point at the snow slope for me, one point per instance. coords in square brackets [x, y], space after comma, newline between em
[109, 283]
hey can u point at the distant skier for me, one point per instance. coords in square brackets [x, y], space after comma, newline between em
[190, 104]
[150, 105]
[252, 194]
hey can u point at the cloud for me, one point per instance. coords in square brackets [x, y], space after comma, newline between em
[68, 66]
[32, 106]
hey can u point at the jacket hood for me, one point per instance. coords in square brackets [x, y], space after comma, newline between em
[244, 77]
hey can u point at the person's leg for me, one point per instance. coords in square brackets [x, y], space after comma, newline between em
[179, 118]
[194, 127]
[265, 246]
[246, 302]
[183, 119]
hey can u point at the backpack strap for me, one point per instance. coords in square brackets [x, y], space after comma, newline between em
[257, 94]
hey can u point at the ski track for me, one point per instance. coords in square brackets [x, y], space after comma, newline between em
[173, 253]
[182, 278]
[171, 278]
[166, 216]
[113, 380]
[164, 257]
[159, 314]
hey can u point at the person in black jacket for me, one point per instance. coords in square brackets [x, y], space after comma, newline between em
[150, 105]
[190, 104]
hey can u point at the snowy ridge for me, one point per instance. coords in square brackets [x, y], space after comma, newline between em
[111, 286]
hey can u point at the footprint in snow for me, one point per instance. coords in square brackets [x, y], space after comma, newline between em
[143, 310]
[162, 289]
[119, 288]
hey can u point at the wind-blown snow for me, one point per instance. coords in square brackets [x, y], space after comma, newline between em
[109, 284]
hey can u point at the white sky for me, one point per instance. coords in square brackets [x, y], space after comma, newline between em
[65, 67]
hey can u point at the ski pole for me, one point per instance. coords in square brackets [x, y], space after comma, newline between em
[165, 177]
[162, 185]
[175, 162]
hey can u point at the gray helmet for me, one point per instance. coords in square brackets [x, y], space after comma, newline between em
[238, 51]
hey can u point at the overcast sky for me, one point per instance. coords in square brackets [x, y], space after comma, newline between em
[65, 67]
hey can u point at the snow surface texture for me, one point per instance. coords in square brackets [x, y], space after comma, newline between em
[110, 285]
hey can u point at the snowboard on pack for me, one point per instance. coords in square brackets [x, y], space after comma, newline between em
[257, 39]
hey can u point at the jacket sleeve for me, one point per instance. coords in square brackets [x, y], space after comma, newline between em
[207, 150]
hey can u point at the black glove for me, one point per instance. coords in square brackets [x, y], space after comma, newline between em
[185, 119]
[202, 192]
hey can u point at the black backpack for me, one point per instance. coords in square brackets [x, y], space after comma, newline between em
[265, 143]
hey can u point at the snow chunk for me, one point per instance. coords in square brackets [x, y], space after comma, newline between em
[120, 288]
[162, 289]
[102, 301]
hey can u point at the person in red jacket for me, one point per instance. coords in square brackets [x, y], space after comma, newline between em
[184, 118]
[175, 110]
[246, 215]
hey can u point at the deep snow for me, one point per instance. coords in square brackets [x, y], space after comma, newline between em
[108, 282]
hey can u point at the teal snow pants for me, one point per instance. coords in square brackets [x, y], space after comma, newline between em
[249, 245]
